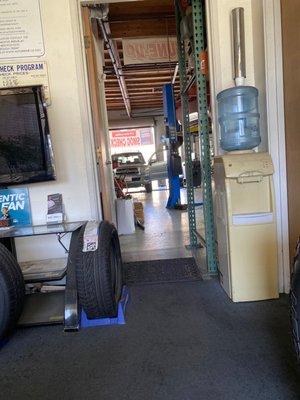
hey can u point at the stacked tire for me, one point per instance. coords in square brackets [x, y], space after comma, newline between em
[295, 302]
[99, 273]
[12, 292]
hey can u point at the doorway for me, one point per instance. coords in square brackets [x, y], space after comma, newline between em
[133, 65]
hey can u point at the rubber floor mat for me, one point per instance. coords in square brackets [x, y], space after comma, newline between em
[161, 271]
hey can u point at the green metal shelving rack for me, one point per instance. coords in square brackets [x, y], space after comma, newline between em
[204, 130]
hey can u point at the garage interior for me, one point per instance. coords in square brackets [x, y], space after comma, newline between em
[140, 104]
[135, 100]
[196, 333]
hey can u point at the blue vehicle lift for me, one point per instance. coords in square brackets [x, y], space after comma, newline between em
[173, 134]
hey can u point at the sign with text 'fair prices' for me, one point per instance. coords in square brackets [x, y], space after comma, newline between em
[150, 50]
[25, 74]
[21, 32]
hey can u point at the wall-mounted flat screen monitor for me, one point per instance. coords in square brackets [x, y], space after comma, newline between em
[25, 146]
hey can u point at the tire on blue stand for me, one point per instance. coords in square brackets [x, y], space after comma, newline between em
[99, 274]
[295, 302]
[12, 292]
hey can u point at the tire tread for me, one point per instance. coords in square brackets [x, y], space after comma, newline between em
[94, 276]
[13, 287]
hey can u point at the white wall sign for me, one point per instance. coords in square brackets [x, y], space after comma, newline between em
[25, 74]
[20, 29]
[149, 50]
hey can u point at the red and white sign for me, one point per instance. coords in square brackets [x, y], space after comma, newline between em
[124, 133]
[131, 137]
[125, 138]
[150, 50]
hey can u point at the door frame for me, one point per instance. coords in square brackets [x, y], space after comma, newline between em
[99, 114]
[276, 131]
[101, 191]
[85, 110]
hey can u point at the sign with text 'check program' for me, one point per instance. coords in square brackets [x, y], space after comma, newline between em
[24, 74]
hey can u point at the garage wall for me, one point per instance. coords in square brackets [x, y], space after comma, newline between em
[290, 12]
[221, 54]
[70, 136]
[118, 119]
[263, 64]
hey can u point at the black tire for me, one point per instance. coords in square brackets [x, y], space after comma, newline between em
[12, 292]
[73, 255]
[99, 274]
[295, 302]
[148, 187]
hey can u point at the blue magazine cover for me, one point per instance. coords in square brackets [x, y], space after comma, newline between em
[16, 201]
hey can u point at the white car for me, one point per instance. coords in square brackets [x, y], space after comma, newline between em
[155, 169]
[131, 167]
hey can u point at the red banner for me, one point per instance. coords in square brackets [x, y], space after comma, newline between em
[131, 137]
[125, 133]
[125, 138]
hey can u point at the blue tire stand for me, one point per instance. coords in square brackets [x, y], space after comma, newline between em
[86, 323]
[118, 320]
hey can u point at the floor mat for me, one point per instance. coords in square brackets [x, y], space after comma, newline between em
[181, 341]
[161, 271]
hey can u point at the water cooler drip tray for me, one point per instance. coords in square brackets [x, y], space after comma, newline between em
[253, 218]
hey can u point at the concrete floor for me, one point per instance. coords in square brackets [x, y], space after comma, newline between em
[166, 231]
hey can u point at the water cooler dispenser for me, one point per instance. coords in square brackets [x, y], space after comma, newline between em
[244, 200]
[246, 226]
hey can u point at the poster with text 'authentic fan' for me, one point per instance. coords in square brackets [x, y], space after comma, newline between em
[16, 203]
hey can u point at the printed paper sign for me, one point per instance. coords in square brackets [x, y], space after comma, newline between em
[150, 50]
[124, 138]
[55, 213]
[131, 137]
[146, 136]
[16, 201]
[25, 74]
[20, 29]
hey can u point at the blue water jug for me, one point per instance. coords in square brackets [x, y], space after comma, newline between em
[239, 118]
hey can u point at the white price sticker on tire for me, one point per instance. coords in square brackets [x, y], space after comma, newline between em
[90, 237]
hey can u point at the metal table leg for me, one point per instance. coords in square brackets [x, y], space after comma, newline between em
[72, 315]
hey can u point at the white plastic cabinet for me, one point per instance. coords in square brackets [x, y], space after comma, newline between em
[246, 226]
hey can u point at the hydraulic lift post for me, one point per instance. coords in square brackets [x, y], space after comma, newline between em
[174, 142]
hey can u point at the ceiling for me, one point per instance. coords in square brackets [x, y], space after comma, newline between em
[143, 81]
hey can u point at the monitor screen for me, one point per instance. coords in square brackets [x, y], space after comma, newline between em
[25, 148]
